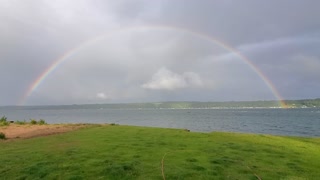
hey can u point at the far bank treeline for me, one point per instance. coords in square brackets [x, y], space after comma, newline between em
[307, 103]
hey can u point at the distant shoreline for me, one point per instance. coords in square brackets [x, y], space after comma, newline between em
[302, 103]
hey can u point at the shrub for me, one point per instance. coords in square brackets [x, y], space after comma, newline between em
[3, 121]
[41, 122]
[20, 122]
[2, 135]
[33, 121]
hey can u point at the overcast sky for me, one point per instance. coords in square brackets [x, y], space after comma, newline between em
[158, 50]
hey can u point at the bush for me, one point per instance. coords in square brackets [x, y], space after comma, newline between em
[33, 121]
[2, 135]
[41, 122]
[20, 122]
[3, 121]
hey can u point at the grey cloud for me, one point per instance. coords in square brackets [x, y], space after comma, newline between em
[292, 67]
[272, 44]
[279, 37]
[239, 22]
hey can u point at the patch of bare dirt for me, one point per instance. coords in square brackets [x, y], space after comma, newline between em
[14, 131]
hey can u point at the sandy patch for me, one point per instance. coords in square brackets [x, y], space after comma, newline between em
[28, 131]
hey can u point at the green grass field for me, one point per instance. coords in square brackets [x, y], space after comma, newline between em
[126, 152]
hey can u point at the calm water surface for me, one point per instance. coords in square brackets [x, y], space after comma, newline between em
[295, 122]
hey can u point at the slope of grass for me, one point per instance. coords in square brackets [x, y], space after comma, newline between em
[123, 152]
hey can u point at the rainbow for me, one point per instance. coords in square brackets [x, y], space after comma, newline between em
[59, 62]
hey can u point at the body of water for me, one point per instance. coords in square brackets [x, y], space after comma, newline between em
[294, 122]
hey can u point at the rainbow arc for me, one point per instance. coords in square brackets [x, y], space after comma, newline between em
[68, 54]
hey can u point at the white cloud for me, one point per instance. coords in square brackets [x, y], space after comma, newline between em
[165, 79]
[102, 96]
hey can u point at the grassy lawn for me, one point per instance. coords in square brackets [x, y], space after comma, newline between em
[126, 152]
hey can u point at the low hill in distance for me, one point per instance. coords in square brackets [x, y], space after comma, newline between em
[306, 103]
